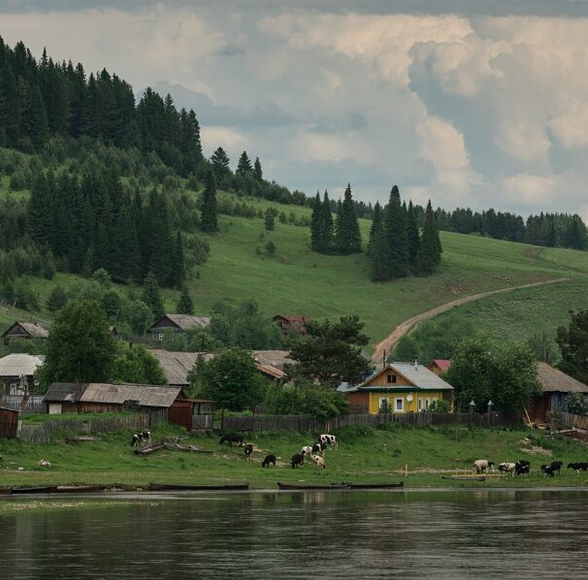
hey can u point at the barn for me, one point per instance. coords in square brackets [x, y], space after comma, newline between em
[26, 330]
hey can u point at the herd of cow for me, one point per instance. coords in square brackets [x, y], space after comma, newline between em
[316, 451]
[523, 467]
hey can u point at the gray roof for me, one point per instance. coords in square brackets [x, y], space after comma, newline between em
[554, 380]
[183, 321]
[145, 395]
[18, 364]
[418, 375]
[177, 365]
[34, 329]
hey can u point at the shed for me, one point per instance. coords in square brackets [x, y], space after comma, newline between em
[192, 414]
[439, 366]
[555, 385]
[177, 323]
[26, 330]
[8, 423]
[17, 371]
[291, 324]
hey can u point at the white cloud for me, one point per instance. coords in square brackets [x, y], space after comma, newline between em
[529, 190]
[523, 142]
[442, 144]
[570, 125]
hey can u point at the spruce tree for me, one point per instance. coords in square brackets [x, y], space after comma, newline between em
[257, 171]
[220, 163]
[430, 254]
[396, 236]
[151, 295]
[376, 226]
[316, 223]
[269, 220]
[326, 229]
[379, 253]
[244, 165]
[208, 215]
[185, 303]
[347, 234]
[178, 270]
[414, 238]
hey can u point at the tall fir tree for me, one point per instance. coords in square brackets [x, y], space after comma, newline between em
[396, 236]
[208, 210]
[152, 296]
[376, 226]
[185, 303]
[244, 165]
[315, 223]
[347, 234]
[178, 269]
[326, 231]
[378, 251]
[430, 253]
[414, 238]
[257, 171]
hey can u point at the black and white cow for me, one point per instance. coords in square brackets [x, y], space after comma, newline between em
[523, 467]
[548, 470]
[319, 448]
[330, 440]
[577, 467]
[248, 450]
[269, 459]
[507, 467]
[297, 460]
[306, 450]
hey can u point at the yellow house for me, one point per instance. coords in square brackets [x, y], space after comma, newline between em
[405, 387]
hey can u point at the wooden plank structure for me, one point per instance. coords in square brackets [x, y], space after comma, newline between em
[8, 423]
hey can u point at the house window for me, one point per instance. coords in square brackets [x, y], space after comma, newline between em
[160, 336]
[420, 403]
[427, 402]
[392, 379]
[384, 404]
[399, 405]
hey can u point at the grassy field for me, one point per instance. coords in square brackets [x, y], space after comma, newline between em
[365, 455]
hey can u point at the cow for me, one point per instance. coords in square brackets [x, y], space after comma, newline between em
[507, 467]
[297, 460]
[483, 465]
[319, 461]
[577, 467]
[248, 450]
[319, 447]
[556, 466]
[146, 436]
[549, 470]
[269, 459]
[232, 438]
[306, 450]
[136, 440]
[330, 440]
[523, 467]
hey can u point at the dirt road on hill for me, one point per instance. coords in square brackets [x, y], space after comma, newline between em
[390, 342]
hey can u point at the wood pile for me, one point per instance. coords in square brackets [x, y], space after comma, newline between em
[169, 445]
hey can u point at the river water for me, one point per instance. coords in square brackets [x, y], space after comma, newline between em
[530, 534]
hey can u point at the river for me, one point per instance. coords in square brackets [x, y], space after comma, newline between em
[441, 535]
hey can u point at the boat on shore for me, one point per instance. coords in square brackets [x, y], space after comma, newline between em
[33, 490]
[185, 487]
[312, 487]
[79, 488]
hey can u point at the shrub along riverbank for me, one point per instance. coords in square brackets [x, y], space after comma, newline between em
[417, 456]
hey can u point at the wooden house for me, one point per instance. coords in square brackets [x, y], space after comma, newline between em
[176, 323]
[439, 366]
[176, 366]
[402, 387]
[291, 324]
[555, 386]
[160, 403]
[17, 373]
[26, 330]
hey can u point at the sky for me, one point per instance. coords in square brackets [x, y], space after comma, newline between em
[477, 103]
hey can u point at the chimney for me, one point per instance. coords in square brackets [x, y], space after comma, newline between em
[416, 363]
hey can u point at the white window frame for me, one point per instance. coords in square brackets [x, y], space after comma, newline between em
[427, 403]
[396, 409]
[420, 404]
[160, 337]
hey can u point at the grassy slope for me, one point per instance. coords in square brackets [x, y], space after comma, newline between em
[298, 281]
[363, 456]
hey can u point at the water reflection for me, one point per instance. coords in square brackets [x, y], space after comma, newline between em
[445, 535]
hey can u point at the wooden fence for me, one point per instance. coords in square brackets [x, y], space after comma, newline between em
[578, 421]
[8, 423]
[308, 424]
[43, 432]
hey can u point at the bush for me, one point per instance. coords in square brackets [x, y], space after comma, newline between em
[440, 406]
[577, 403]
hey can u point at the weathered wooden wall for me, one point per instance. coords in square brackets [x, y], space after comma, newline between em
[8, 423]
[308, 424]
[43, 432]
[578, 421]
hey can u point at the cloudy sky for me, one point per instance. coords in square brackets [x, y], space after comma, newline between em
[467, 102]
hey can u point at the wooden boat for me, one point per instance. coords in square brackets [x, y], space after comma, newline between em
[5, 490]
[32, 490]
[313, 487]
[465, 477]
[395, 485]
[184, 487]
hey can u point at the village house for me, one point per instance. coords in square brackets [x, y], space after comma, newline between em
[176, 366]
[17, 373]
[160, 403]
[176, 323]
[25, 330]
[291, 324]
[402, 387]
[555, 386]
[439, 366]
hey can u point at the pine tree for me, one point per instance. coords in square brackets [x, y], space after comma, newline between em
[396, 236]
[178, 270]
[151, 295]
[269, 220]
[316, 223]
[208, 215]
[244, 165]
[220, 164]
[347, 234]
[376, 226]
[257, 171]
[185, 303]
[326, 229]
[379, 252]
[414, 238]
[430, 254]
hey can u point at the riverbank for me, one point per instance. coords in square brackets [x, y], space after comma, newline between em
[418, 457]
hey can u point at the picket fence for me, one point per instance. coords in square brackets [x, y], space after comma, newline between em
[305, 424]
[43, 432]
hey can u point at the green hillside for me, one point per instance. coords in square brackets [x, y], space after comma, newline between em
[298, 281]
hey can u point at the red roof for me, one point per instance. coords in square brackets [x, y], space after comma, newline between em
[442, 363]
[293, 319]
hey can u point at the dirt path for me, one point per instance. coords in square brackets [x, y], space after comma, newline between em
[405, 327]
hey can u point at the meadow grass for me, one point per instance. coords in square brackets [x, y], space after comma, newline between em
[365, 455]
